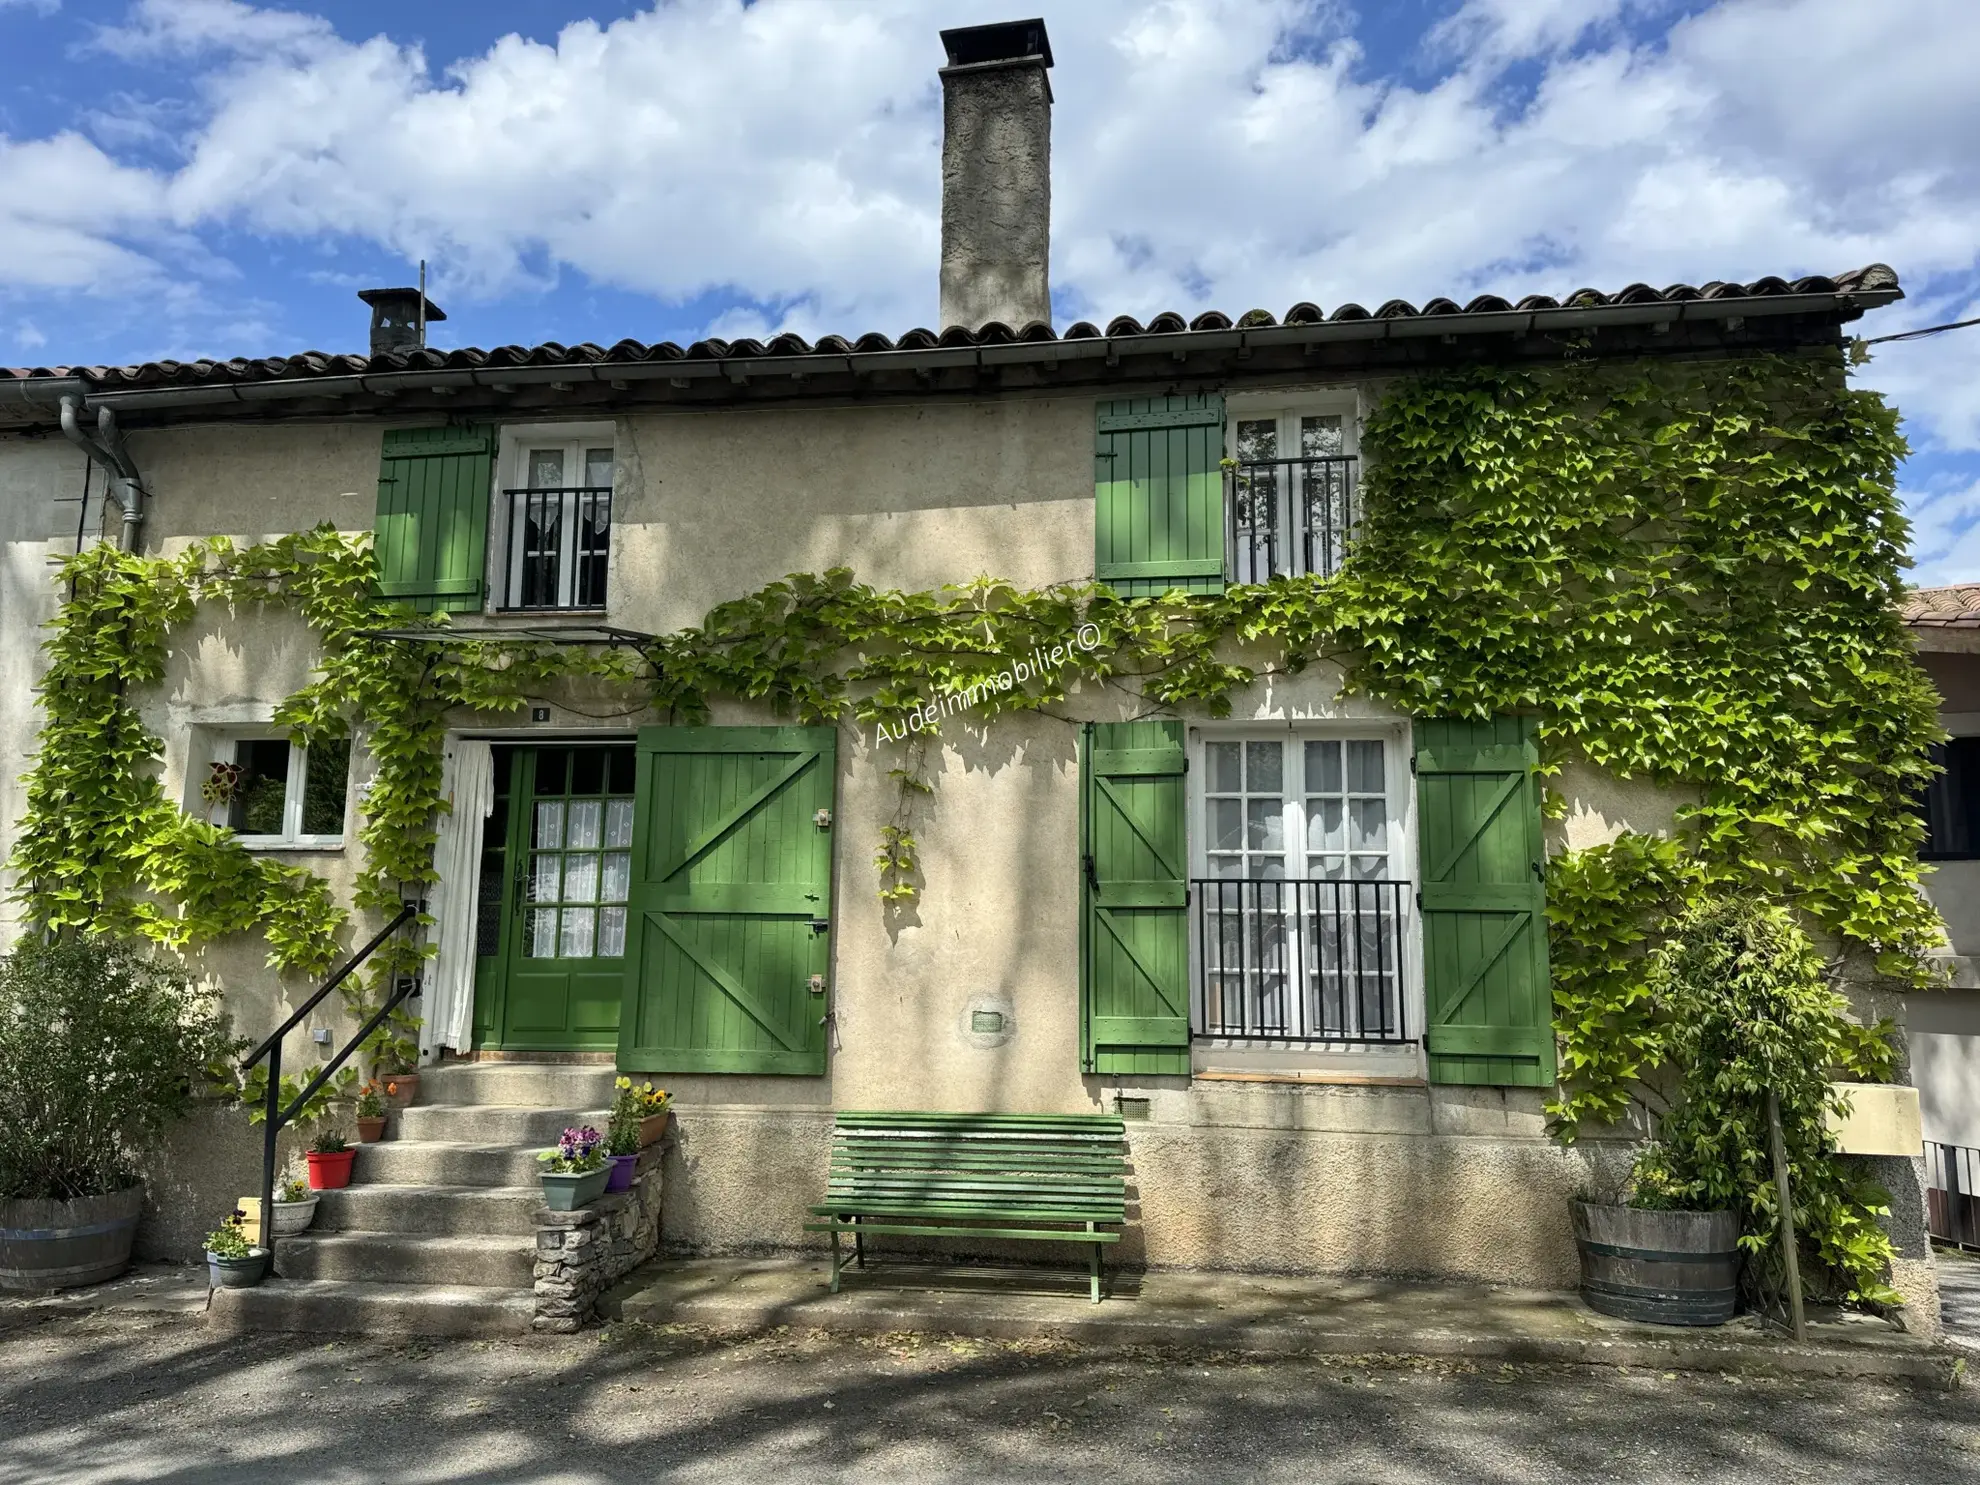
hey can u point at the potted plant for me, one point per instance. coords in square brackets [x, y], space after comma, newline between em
[295, 1208]
[654, 1105]
[230, 1262]
[622, 1135]
[330, 1156]
[371, 1113]
[101, 1050]
[575, 1172]
[1750, 1027]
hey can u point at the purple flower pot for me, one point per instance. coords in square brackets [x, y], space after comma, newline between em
[621, 1178]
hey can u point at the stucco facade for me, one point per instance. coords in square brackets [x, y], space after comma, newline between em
[1343, 1159]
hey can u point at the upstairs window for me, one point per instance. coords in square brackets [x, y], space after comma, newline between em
[272, 793]
[1951, 803]
[1292, 498]
[556, 516]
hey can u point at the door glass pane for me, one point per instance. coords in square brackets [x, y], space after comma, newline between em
[549, 824]
[326, 777]
[618, 822]
[1226, 768]
[1323, 768]
[581, 878]
[611, 933]
[540, 933]
[587, 771]
[545, 872]
[1364, 768]
[1226, 824]
[1263, 766]
[616, 883]
[582, 834]
[598, 468]
[1368, 824]
[1265, 824]
[579, 926]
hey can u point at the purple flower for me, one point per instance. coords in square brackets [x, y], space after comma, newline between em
[577, 1144]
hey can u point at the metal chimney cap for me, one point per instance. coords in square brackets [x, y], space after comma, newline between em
[394, 298]
[1001, 41]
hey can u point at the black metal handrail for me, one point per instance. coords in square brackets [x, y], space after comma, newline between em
[1952, 1193]
[1290, 516]
[535, 576]
[275, 1117]
[1315, 960]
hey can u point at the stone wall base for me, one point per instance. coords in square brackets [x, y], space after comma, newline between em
[581, 1254]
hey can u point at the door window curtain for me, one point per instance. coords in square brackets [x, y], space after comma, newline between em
[468, 784]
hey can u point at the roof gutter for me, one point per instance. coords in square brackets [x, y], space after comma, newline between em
[1515, 322]
[107, 448]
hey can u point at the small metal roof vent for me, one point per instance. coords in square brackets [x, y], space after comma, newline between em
[1001, 41]
[399, 318]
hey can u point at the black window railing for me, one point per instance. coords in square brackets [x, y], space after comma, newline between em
[1300, 961]
[1289, 517]
[559, 543]
[1952, 1193]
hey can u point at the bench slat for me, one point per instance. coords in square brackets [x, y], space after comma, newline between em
[994, 1232]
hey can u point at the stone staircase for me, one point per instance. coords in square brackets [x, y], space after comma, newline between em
[433, 1235]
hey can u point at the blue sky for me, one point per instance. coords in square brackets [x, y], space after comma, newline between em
[194, 178]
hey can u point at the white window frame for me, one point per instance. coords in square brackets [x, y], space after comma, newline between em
[512, 473]
[222, 746]
[1287, 409]
[1400, 1061]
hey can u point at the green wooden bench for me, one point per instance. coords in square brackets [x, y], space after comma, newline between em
[1031, 1177]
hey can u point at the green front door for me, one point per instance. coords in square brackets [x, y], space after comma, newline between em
[552, 972]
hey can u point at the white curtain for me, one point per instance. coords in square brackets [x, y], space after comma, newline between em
[467, 781]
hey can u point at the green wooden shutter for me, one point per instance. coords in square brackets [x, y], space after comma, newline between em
[434, 486]
[1134, 930]
[1158, 484]
[732, 888]
[1488, 1003]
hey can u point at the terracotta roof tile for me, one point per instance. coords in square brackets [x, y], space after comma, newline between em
[1953, 607]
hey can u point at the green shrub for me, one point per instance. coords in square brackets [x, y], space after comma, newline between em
[101, 1048]
[1749, 1007]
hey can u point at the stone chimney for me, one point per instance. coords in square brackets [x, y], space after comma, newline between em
[396, 321]
[996, 175]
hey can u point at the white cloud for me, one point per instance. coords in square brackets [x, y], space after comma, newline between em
[1945, 532]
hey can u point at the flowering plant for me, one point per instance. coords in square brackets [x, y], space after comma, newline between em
[370, 1102]
[629, 1106]
[228, 1240]
[294, 1189]
[577, 1152]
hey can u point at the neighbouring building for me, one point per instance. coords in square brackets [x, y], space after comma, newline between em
[1094, 880]
[1945, 1025]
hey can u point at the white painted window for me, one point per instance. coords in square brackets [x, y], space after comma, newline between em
[1302, 902]
[1292, 501]
[555, 515]
[271, 792]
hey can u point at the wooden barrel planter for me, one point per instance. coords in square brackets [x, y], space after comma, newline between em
[62, 1244]
[1669, 1268]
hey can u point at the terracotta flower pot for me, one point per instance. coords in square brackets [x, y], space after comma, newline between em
[653, 1128]
[331, 1171]
[407, 1084]
[371, 1131]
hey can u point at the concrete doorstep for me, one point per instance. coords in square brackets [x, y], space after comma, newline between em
[1250, 1314]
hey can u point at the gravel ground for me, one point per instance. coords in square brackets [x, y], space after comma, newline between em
[105, 1398]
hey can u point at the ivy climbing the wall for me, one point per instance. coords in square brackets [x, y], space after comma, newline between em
[1687, 571]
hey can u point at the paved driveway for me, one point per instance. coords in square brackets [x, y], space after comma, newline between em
[1959, 1296]
[166, 1403]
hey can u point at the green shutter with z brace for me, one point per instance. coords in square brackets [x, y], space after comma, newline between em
[1488, 1002]
[1134, 927]
[431, 544]
[1158, 494]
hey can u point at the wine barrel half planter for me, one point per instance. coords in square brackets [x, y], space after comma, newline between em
[63, 1244]
[1667, 1268]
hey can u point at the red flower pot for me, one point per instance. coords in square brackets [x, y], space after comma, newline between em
[330, 1172]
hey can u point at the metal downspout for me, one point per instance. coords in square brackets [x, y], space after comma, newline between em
[107, 448]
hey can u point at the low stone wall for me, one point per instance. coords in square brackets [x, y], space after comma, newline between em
[581, 1254]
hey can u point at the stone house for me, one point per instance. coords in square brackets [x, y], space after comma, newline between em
[1367, 1097]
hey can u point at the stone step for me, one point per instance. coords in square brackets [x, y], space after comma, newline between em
[465, 1211]
[467, 1124]
[537, 1085]
[400, 1258]
[335, 1305]
[443, 1163]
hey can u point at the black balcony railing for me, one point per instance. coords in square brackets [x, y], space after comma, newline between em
[1290, 516]
[559, 541]
[1952, 1193]
[1300, 961]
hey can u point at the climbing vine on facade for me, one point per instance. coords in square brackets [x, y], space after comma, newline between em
[1687, 571]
